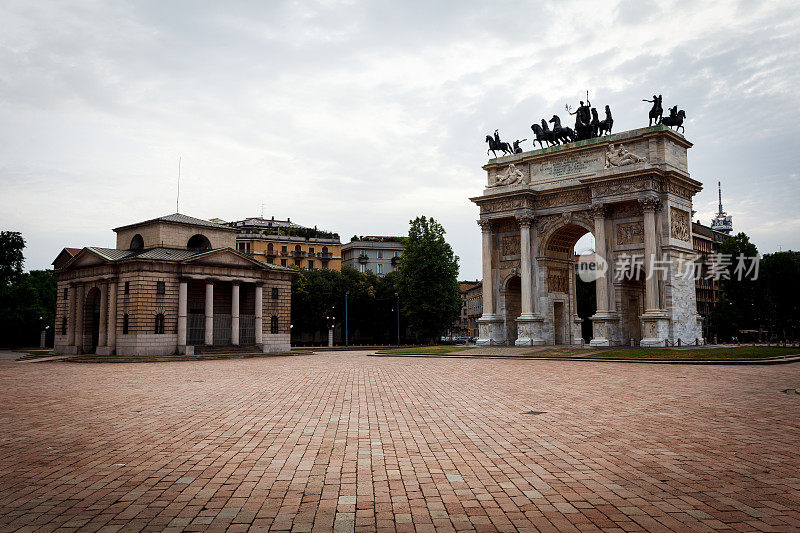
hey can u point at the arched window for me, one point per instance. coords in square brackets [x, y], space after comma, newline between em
[160, 323]
[324, 249]
[198, 243]
[125, 324]
[137, 243]
[273, 325]
[296, 247]
[270, 247]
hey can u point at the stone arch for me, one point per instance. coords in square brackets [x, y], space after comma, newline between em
[198, 242]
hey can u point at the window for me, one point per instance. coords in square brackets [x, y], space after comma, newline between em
[65, 293]
[396, 253]
[297, 262]
[296, 247]
[324, 249]
[324, 265]
[311, 265]
[270, 260]
[270, 248]
[283, 262]
[311, 250]
[283, 249]
[380, 268]
[380, 254]
[127, 287]
[63, 325]
[137, 243]
[198, 243]
[274, 293]
[125, 323]
[160, 324]
[273, 325]
[362, 267]
[161, 287]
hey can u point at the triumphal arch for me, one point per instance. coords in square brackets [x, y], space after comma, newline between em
[633, 192]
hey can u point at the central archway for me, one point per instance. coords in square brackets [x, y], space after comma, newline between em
[564, 312]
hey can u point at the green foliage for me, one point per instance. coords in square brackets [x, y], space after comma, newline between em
[428, 280]
[11, 257]
[777, 289]
[737, 308]
[27, 300]
[319, 294]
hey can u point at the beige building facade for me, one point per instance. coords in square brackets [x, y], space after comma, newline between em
[172, 285]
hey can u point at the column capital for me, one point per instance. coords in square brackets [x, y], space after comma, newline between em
[236, 282]
[184, 279]
[599, 210]
[650, 203]
[485, 224]
[524, 219]
[210, 281]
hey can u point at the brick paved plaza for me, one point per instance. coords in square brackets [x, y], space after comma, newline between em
[342, 440]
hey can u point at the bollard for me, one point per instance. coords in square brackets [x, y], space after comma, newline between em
[679, 341]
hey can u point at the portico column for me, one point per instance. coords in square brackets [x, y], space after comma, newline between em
[209, 340]
[235, 313]
[601, 254]
[183, 292]
[79, 316]
[259, 312]
[603, 323]
[103, 334]
[71, 314]
[111, 340]
[488, 290]
[525, 263]
[649, 206]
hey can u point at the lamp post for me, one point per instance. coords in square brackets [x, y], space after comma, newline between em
[346, 294]
[397, 305]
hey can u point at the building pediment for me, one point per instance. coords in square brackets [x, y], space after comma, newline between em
[225, 257]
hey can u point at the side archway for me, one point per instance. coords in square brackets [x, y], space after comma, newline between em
[198, 243]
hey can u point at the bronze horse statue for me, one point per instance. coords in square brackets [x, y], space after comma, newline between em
[543, 135]
[563, 134]
[676, 120]
[504, 147]
[656, 112]
[604, 127]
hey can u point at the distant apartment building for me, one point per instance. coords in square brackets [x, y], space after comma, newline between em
[374, 253]
[474, 307]
[706, 243]
[462, 325]
[286, 243]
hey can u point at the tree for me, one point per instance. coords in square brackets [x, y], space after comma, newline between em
[427, 280]
[777, 288]
[11, 257]
[27, 300]
[736, 310]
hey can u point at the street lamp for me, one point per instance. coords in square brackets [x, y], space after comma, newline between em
[397, 305]
[346, 294]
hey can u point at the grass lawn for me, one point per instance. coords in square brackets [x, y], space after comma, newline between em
[742, 352]
[428, 350]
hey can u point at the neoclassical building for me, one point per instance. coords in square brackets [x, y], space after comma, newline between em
[633, 192]
[171, 285]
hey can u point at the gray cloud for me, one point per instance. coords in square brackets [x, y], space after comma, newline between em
[357, 116]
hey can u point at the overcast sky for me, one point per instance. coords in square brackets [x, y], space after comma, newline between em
[358, 116]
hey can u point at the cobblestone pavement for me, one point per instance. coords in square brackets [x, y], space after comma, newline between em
[348, 441]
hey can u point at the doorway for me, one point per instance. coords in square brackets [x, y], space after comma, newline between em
[558, 323]
[513, 308]
[91, 321]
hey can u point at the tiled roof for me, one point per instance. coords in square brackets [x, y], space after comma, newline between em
[181, 219]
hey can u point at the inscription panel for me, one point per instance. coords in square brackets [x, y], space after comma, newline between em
[571, 165]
